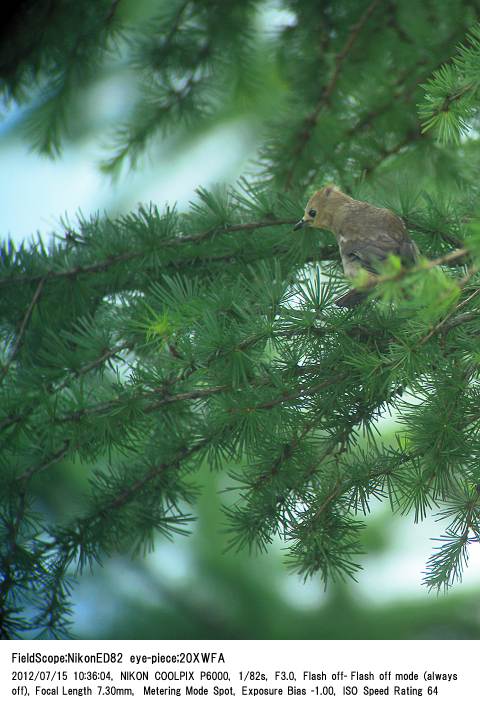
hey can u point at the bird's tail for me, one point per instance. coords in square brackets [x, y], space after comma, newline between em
[351, 299]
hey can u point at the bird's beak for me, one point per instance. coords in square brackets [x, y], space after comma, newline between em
[299, 225]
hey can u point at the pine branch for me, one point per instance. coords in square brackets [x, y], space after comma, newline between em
[175, 25]
[112, 11]
[286, 453]
[8, 560]
[311, 120]
[115, 259]
[412, 136]
[453, 322]
[292, 396]
[70, 536]
[447, 565]
[449, 94]
[448, 322]
[451, 259]
[47, 462]
[401, 92]
[23, 327]
[194, 395]
[8, 582]
[56, 389]
[448, 238]
[126, 495]
[104, 407]
[172, 341]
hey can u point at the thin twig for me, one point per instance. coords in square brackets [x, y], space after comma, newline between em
[311, 120]
[115, 259]
[410, 137]
[449, 259]
[303, 391]
[24, 415]
[14, 530]
[403, 93]
[135, 487]
[111, 11]
[55, 457]
[175, 25]
[449, 238]
[195, 394]
[23, 327]
[441, 325]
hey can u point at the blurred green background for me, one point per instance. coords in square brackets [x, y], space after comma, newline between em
[190, 587]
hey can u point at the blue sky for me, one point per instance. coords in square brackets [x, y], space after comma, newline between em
[36, 192]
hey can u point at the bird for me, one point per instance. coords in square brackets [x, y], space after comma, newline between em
[365, 234]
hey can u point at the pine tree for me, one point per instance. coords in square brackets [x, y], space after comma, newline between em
[145, 345]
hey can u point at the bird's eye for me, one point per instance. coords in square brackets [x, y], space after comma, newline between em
[312, 213]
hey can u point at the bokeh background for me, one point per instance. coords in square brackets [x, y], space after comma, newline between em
[190, 587]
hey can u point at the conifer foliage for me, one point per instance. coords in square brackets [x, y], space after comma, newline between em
[144, 346]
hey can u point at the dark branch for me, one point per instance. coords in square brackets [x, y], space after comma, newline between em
[21, 332]
[115, 259]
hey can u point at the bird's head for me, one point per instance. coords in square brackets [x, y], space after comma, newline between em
[320, 208]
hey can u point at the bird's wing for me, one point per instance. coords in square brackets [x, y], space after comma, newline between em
[372, 246]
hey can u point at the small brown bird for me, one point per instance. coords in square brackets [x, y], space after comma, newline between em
[365, 234]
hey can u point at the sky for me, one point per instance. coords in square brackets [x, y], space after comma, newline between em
[36, 192]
